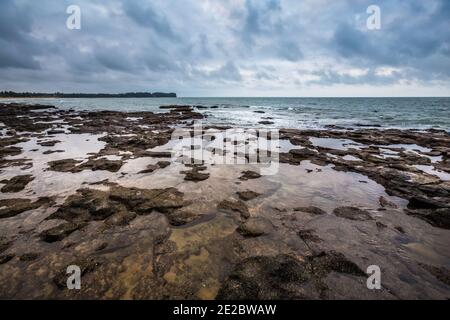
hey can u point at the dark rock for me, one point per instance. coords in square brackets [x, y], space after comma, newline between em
[312, 210]
[304, 153]
[150, 168]
[255, 227]
[49, 143]
[29, 257]
[157, 154]
[50, 132]
[235, 206]
[247, 195]
[6, 258]
[72, 165]
[194, 175]
[12, 207]
[441, 273]
[60, 232]
[308, 235]
[65, 165]
[247, 175]
[163, 164]
[386, 203]
[120, 218]
[266, 122]
[52, 151]
[283, 277]
[352, 213]
[16, 184]
[400, 229]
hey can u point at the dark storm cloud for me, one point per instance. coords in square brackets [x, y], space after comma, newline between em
[144, 15]
[16, 45]
[218, 45]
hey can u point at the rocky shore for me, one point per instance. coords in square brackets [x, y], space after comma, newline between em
[101, 190]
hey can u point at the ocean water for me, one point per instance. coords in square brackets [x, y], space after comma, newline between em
[306, 113]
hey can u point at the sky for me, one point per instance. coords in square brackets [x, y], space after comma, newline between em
[227, 47]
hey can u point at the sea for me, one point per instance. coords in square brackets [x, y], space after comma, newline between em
[301, 113]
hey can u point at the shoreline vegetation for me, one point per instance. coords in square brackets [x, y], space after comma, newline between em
[12, 94]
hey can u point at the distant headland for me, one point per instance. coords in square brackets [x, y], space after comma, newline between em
[12, 94]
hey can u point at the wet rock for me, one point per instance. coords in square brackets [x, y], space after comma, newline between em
[121, 218]
[441, 273]
[386, 203]
[194, 175]
[49, 143]
[74, 166]
[182, 217]
[352, 213]
[400, 229]
[6, 258]
[16, 184]
[102, 164]
[29, 257]
[157, 154]
[118, 206]
[163, 164]
[308, 235]
[65, 165]
[4, 244]
[312, 210]
[52, 151]
[247, 175]
[380, 225]
[304, 153]
[12, 207]
[266, 122]
[255, 227]
[50, 132]
[235, 206]
[436, 217]
[247, 195]
[284, 277]
[150, 168]
[59, 232]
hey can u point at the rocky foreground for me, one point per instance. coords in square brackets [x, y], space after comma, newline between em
[101, 190]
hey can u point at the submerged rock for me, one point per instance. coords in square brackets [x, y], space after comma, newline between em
[74, 166]
[308, 235]
[16, 184]
[255, 227]
[247, 195]
[284, 277]
[235, 206]
[386, 203]
[312, 210]
[12, 207]
[194, 175]
[352, 213]
[247, 175]
[59, 232]
[118, 206]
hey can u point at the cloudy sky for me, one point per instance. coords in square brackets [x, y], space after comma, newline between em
[227, 47]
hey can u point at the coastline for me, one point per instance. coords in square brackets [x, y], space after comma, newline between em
[99, 189]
